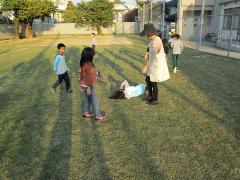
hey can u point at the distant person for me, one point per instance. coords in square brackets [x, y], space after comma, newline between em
[126, 91]
[157, 69]
[94, 41]
[170, 39]
[87, 80]
[165, 46]
[61, 69]
[177, 47]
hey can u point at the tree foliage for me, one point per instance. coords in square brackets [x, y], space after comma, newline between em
[14, 6]
[35, 9]
[28, 10]
[70, 15]
[95, 14]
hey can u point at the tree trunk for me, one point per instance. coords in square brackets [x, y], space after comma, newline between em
[28, 31]
[17, 28]
[99, 30]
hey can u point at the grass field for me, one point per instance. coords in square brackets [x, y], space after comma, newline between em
[193, 134]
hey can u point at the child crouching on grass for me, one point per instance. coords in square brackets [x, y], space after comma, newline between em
[87, 79]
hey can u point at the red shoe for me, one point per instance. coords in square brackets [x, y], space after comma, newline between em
[101, 118]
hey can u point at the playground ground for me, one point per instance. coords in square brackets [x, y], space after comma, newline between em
[194, 133]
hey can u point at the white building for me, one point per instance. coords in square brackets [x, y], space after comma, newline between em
[120, 8]
[61, 7]
[217, 19]
[229, 11]
[189, 12]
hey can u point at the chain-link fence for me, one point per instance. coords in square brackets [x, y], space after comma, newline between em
[212, 26]
[217, 34]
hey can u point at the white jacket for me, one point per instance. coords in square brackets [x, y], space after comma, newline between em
[177, 46]
[157, 63]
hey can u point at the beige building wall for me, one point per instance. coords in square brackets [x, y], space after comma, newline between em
[190, 5]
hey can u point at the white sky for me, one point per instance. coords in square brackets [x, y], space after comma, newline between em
[128, 2]
[132, 2]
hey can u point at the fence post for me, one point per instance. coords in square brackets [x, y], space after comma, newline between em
[201, 24]
[151, 11]
[230, 37]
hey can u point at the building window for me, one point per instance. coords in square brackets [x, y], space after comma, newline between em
[228, 14]
[227, 18]
[236, 20]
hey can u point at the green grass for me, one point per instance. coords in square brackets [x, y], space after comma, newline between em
[193, 134]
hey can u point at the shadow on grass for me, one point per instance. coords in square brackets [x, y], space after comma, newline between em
[145, 159]
[3, 52]
[24, 108]
[116, 67]
[56, 163]
[193, 103]
[118, 57]
[115, 84]
[219, 79]
[134, 55]
[95, 164]
[141, 151]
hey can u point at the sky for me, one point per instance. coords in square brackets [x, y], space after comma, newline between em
[128, 2]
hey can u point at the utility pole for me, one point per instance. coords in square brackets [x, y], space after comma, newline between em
[151, 12]
[163, 17]
[201, 24]
[230, 36]
[143, 13]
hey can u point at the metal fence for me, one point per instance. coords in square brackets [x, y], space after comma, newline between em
[216, 34]
[205, 25]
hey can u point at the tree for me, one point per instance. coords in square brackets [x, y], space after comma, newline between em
[15, 7]
[26, 11]
[35, 9]
[95, 14]
[70, 15]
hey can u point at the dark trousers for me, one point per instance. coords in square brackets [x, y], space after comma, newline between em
[175, 58]
[152, 89]
[62, 77]
[94, 47]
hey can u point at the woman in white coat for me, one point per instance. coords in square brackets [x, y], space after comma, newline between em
[157, 68]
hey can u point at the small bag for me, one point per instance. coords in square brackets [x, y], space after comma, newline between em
[89, 91]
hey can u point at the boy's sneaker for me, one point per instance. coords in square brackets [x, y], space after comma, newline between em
[101, 118]
[52, 90]
[69, 91]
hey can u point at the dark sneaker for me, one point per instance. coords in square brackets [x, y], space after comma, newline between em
[101, 118]
[154, 103]
[69, 91]
[148, 99]
[52, 90]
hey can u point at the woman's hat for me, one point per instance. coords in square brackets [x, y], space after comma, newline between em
[149, 30]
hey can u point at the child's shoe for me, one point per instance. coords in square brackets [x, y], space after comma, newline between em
[175, 70]
[101, 118]
[52, 90]
[69, 91]
[88, 115]
[154, 103]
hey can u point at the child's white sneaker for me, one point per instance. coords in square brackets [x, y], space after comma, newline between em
[175, 70]
[52, 90]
